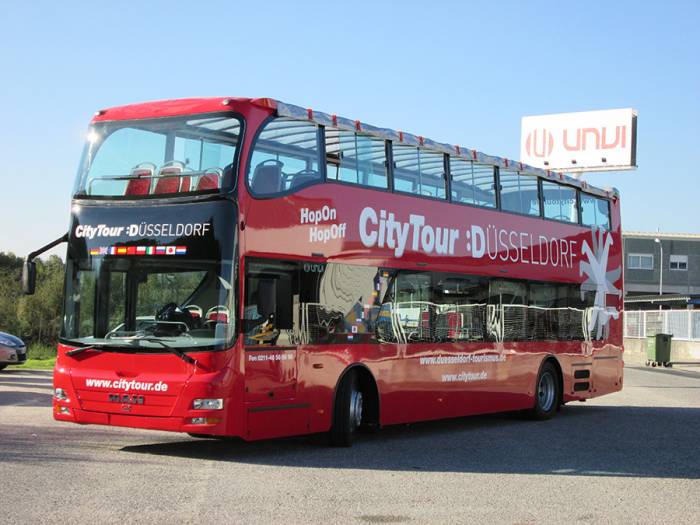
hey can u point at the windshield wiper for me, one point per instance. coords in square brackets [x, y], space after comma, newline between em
[172, 349]
[96, 347]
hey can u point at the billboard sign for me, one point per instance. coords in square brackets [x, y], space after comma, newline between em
[585, 141]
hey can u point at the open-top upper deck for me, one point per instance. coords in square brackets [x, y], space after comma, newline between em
[193, 106]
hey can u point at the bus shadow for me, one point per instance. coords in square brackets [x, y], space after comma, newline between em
[581, 441]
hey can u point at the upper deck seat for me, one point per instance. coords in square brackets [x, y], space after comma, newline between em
[303, 178]
[267, 177]
[210, 179]
[140, 179]
[168, 179]
[185, 183]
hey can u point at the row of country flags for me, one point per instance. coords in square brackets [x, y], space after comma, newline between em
[139, 250]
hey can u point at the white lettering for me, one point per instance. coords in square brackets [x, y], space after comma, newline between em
[368, 239]
[478, 242]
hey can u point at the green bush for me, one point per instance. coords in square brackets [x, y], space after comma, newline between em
[41, 351]
[37, 318]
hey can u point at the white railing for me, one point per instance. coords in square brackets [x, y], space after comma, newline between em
[682, 324]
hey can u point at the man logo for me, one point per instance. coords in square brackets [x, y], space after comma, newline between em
[539, 143]
[126, 399]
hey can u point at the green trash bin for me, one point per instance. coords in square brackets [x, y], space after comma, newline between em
[659, 350]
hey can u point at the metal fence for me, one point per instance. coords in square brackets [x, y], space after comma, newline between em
[682, 324]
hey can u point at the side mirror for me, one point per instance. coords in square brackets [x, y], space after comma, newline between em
[29, 277]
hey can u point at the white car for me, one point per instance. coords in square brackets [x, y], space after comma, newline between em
[13, 351]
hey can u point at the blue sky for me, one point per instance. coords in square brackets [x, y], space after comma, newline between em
[458, 72]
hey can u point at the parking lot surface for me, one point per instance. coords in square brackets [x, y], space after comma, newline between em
[629, 457]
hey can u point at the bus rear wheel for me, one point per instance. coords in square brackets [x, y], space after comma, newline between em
[547, 393]
[347, 415]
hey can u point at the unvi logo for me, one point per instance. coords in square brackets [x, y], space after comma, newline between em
[539, 143]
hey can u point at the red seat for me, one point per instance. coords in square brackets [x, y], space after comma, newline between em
[139, 181]
[425, 325]
[454, 325]
[185, 183]
[208, 181]
[168, 179]
[217, 314]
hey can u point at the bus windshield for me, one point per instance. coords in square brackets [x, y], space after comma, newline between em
[137, 272]
[134, 302]
[159, 157]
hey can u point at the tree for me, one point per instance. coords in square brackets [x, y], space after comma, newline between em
[10, 292]
[36, 318]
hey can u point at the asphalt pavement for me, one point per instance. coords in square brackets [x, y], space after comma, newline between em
[633, 456]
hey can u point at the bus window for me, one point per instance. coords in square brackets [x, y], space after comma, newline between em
[290, 302]
[270, 298]
[510, 313]
[413, 308]
[357, 159]
[542, 312]
[161, 156]
[472, 183]
[419, 171]
[484, 185]
[285, 157]
[461, 307]
[595, 211]
[559, 202]
[519, 193]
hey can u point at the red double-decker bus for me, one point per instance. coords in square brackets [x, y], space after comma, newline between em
[245, 267]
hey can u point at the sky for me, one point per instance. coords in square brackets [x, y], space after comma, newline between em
[457, 72]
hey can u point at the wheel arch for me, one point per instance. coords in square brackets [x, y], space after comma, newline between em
[551, 358]
[368, 386]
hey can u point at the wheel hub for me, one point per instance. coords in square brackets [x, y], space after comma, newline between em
[356, 408]
[546, 392]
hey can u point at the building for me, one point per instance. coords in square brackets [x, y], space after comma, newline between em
[662, 270]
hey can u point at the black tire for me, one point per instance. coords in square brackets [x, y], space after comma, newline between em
[547, 393]
[2, 367]
[346, 419]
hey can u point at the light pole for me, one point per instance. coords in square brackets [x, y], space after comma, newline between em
[661, 269]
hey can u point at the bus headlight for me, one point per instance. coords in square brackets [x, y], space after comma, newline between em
[208, 404]
[60, 394]
[205, 420]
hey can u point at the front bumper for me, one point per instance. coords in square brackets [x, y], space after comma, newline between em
[12, 355]
[167, 424]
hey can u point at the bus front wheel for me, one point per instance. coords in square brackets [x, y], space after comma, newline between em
[547, 393]
[347, 415]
